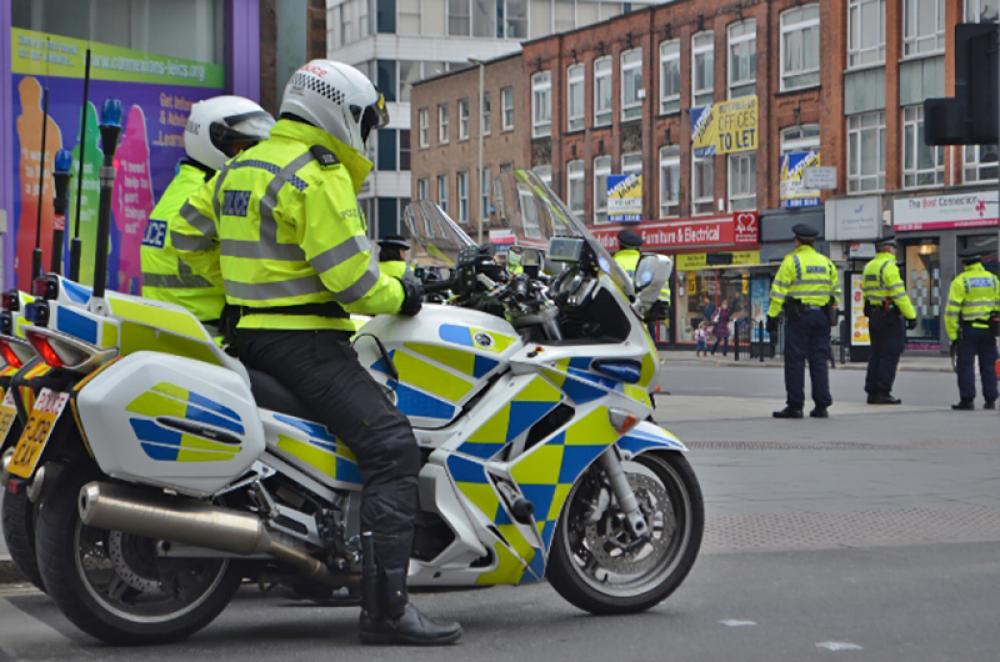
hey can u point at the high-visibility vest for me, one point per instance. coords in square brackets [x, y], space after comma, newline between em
[280, 223]
[165, 277]
[806, 275]
[881, 281]
[394, 268]
[973, 297]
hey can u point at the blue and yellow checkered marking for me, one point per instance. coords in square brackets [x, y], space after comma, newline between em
[320, 450]
[414, 402]
[163, 443]
[516, 417]
[474, 337]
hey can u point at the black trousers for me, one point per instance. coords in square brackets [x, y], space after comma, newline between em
[322, 370]
[807, 338]
[977, 342]
[888, 338]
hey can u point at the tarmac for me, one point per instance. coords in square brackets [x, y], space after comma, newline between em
[910, 362]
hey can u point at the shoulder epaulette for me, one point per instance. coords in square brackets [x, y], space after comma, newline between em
[325, 157]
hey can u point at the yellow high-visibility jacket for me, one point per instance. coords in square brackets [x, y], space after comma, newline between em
[807, 275]
[394, 268]
[974, 295]
[165, 277]
[881, 281]
[280, 223]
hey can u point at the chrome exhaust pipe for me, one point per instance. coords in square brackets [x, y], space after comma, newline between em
[191, 522]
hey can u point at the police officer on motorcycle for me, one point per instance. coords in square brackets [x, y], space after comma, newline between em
[217, 129]
[972, 319]
[886, 306]
[282, 222]
[807, 289]
[392, 255]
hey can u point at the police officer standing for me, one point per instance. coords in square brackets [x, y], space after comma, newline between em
[217, 129]
[971, 319]
[886, 306]
[282, 222]
[807, 289]
[392, 255]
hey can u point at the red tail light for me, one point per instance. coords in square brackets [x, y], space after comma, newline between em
[11, 357]
[45, 350]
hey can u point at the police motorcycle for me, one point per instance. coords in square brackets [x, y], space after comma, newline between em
[170, 472]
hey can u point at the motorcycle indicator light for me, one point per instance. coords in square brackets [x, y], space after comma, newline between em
[12, 300]
[46, 351]
[45, 287]
[622, 421]
[37, 312]
[7, 323]
[9, 355]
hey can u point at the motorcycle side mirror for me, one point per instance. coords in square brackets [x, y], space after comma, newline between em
[651, 274]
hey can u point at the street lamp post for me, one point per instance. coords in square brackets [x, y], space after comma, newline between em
[482, 99]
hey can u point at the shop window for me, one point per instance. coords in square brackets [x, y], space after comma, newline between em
[574, 187]
[702, 184]
[742, 181]
[602, 91]
[865, 33]
[923, 165]
[702, 68]
[574, 97]
[602, 169]
[922, 269]
[670, 76]
[923, 27]
[980, 163]
[742, 69]
[704, 290]
[866, 152]
[631, 78]
[670, 181]
[541, 104]
[800, 47]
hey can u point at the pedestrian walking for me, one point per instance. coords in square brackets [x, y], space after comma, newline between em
[701, 339]
[971, 320]
[888, 308]
[806, 289]
[720, 328]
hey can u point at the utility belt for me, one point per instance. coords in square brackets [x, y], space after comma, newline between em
[880, 308]
[231, 315]
[795, 308]
[991, 323]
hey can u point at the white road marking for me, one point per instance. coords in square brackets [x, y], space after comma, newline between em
[838, 646]
[733, 623]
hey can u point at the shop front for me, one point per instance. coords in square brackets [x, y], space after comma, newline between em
[713, 261]
[932, 231]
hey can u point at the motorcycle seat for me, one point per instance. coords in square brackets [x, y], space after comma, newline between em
[272, 394]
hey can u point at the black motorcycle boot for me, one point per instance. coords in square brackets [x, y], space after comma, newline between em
[819, 412]
[884, 399]
[990, 404]
[396, 622]
[964, 405]
[788, 412]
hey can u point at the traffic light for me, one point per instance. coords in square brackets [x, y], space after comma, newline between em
[970, 117]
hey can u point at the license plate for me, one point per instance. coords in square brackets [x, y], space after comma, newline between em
[8, 413]
[48, 407]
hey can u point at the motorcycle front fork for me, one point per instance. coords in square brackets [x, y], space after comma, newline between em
[611, 461]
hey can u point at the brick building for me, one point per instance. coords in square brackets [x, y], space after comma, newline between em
[839, 83]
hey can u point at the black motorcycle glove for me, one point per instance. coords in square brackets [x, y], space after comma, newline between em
[413, 296]
[772, 325]
[911, 324]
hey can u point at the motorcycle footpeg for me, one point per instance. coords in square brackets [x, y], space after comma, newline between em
[522, 510]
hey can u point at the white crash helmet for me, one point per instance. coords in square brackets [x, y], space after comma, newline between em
[337, 98]
[219, 127]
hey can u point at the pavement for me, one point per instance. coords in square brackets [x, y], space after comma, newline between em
[910, 362]
[871, 535]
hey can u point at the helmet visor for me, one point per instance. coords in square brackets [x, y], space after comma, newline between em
[237, 132]
[374, 116]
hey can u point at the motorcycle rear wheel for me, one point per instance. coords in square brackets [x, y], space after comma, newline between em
[19, 534]
[591, 564]
[113, 586]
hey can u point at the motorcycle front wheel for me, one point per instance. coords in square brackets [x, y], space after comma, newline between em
[114, 586]
[597, 564]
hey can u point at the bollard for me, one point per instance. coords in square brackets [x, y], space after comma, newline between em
[760, 332]
[736, 341]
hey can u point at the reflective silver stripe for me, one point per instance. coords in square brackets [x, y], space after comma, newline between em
[777, 296]
[811, 293]
[175, 281]
[184, 242]
[361, 286]
[270, 249]
[340, 253]
[813, 281]
[275, 290]
[216, 205]
[257, 250]
[901, 295]
[951, 314]
[897, 286]
[197, 220]
[782, 283]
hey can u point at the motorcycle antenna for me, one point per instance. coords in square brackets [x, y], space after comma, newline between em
[61, 174]
[36, 255]
[74, 245]
[111, 126]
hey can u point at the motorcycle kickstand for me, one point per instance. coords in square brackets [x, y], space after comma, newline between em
[611, 461]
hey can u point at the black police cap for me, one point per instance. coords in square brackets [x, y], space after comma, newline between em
[972, 254]
[888, 240]
[803, 231]
[394, 241]
[630, 238]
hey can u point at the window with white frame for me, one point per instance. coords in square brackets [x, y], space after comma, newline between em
[541, 104]
[505, 19]
[800, 138]
[923, 165]
[982, 11]
[463, 119]
[980, 163]
[443, 192]
[866, 152]
[443, 123]
[423, 120]
[574, 97]
[462, 188]
[742, 69]
[422, 189]
[487, 118]
[800, 47]
[484, 195]
[631, 163]
[631, 77]
[702, 68]
[742, 181]
[670, 76]
[865, 33]
[602, 91]
[507, 108]
[670, 181]
[923, 27]
[702, 184]
[544, 173]
[602, 169]
[574, 187]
